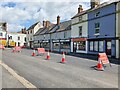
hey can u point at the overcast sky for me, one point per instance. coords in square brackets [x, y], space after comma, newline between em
[24, 13]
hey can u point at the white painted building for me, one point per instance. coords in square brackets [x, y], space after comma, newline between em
[3, 32]
[31, 31]
[118, 30]
[79, 32]
[18, 38]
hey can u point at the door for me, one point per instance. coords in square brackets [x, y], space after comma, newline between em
[108, 48]
[74, 47]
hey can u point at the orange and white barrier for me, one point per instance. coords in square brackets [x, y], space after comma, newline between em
[103, 57]
[102, 60]
[41, 51]
[17, 49]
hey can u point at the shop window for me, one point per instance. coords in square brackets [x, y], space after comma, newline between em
[28, 32]
[80, 31]
[101, 46]
[65, 45]
[46, 44]
[81, 45]
[97, 28]
[96, 46]
[56, 45]
[91, 45]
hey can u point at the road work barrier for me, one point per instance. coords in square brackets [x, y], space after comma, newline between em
[40, 51]
[16, 49]
[2, 47]
[102, 61]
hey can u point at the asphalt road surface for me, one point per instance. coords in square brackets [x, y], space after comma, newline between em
[75, 73]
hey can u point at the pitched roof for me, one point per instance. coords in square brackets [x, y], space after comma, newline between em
[66, 25]
[31, 27]
[46, 30]
[99, 6]
[103, 5]
[38, 32]
[79, 14]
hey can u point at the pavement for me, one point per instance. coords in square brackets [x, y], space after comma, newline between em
[9, 81]
[75, 73]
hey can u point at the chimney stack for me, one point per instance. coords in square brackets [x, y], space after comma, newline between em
[58, 20]
[23, 31]
[47, 24]
[80, 9]
[94, 3]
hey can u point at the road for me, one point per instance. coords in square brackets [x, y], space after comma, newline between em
[75, 73]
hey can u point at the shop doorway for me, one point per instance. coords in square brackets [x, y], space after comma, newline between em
[74, 47]
[108, 48]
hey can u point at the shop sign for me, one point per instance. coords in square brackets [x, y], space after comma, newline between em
[67, 40]
[79, 39]
[55, 40]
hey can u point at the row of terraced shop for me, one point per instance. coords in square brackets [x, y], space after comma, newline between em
[90, 31]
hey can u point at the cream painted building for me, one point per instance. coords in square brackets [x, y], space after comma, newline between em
[118, 30]
[30, 32]
[79, 32]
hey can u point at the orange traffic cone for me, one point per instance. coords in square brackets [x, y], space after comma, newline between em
[100, 66]
[48, 56]
[63, 58]
[33, 53]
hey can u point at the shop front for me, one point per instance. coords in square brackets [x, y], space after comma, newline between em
[36, 44]
[65, 45]
[46, 44]
[56, 45]
[79, 45]
[102, 46]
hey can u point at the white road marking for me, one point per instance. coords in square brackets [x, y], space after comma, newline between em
[25, 82]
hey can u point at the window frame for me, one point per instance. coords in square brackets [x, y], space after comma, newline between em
[18, 37]
[80, 30]
[97, 14]
[97, 28]
[80, 18]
